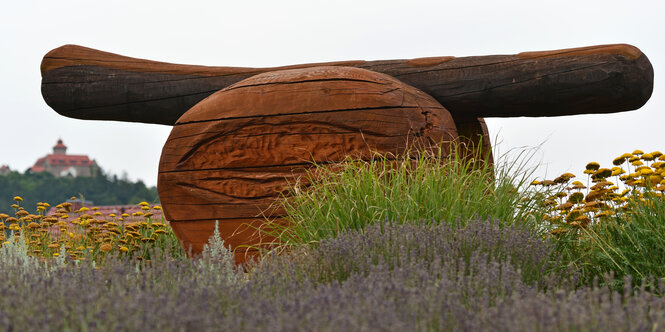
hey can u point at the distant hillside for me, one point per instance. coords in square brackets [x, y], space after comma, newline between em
[44, 187]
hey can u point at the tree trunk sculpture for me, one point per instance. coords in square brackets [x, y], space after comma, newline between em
[240, 134]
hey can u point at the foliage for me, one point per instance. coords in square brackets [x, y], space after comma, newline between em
[86, 234]
[536, 268]
[44, 187]
[630, 245]
[391, 278]
[602, 228]
[418, 185]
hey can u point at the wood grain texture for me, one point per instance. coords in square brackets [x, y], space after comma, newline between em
[231, 156]
[90, 84]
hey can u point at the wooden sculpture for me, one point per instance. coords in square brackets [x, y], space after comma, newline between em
[241, 133]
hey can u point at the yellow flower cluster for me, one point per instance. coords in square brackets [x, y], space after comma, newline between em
[84, 233]
[611, 189]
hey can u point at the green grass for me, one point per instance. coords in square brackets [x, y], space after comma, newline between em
[421, 185]
[631, 244]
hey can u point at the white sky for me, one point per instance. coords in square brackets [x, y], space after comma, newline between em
[272, 33]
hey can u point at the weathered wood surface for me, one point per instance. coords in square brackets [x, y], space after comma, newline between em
[231, 156]
[90, 84]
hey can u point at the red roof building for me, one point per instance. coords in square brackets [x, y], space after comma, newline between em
[4, 170]
[59, 163]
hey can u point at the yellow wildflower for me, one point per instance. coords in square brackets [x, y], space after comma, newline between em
[67, 206]
[602, 173]
[617, 172]
[626, 155]
[604, 214]
[645, 171]
[618, 161]
[106, 247]
[18, 198]
[593, 166]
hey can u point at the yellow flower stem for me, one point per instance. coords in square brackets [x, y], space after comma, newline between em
[605, 244]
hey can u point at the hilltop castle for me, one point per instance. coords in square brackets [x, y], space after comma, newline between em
[59, 163]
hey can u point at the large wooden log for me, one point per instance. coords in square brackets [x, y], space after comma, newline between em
[231, 156]
[89, 84]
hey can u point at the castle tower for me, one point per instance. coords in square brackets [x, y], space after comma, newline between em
[60, 148]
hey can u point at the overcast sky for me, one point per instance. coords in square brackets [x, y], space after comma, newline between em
[272, 33]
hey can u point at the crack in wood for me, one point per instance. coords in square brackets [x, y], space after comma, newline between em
[298, 113]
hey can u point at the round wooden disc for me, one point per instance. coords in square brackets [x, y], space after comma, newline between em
[230, 156]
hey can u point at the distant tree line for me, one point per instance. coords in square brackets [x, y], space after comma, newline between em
[104, 189]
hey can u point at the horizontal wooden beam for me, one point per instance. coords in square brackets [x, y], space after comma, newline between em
[85, 83]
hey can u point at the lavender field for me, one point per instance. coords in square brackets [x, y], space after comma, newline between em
[391, 278]
[518, 257]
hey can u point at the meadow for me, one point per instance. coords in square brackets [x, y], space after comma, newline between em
[422, 242]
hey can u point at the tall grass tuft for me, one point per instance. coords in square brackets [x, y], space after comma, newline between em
[428, 184]
[630, 244]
